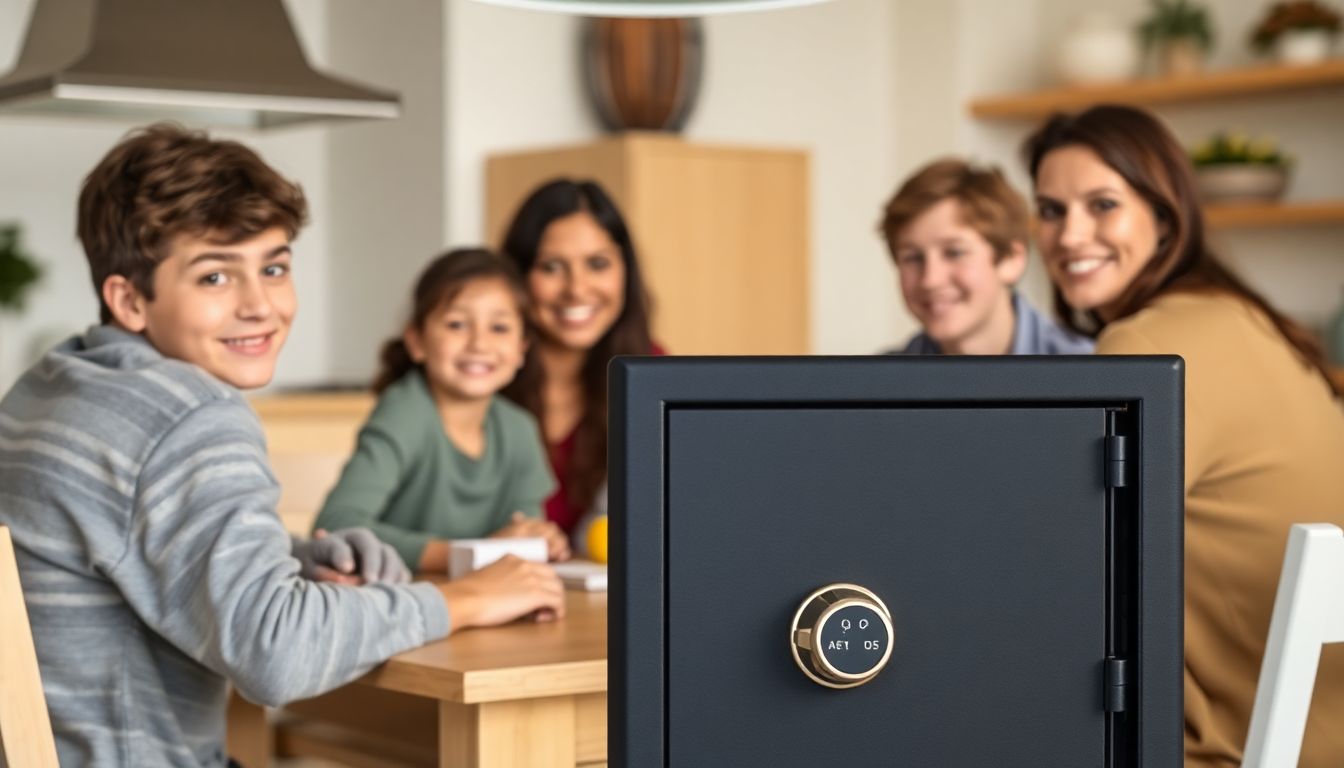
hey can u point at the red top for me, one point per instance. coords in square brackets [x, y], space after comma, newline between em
[558, 509]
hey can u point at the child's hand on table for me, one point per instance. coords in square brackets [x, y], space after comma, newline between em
[502, 591]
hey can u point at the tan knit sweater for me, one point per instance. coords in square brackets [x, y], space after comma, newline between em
[1264, 448]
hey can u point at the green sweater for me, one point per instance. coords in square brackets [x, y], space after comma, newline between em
[410, 484]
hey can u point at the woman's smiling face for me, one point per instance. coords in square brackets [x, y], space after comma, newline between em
[577, 283]
[1095, 232]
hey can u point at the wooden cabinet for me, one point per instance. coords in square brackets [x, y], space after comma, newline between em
[722, 233]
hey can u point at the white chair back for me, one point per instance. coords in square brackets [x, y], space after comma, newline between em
[25, 728]
[1308, 612]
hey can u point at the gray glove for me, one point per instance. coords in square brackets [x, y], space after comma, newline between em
[350, 552]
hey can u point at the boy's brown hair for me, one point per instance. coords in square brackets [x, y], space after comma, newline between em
[989, 205]
[163, 181]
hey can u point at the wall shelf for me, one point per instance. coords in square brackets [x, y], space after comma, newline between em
[1168, 90]
[1253, 215]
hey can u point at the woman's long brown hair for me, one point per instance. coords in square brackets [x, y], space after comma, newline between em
[1139, 147]
[629, 335]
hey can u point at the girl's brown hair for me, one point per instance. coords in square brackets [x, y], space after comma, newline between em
[445, 277]
[629, 335]
[1138, 147]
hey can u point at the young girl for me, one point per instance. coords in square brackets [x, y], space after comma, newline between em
[441, 457]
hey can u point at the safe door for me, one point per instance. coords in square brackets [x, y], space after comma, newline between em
[949, 573]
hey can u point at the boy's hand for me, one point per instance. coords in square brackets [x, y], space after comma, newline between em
[522, 527]
[503, 591]
[350, 556]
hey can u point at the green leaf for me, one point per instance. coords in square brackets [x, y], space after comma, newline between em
[17, 272]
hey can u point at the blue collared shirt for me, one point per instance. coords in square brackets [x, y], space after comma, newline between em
[1033, 334]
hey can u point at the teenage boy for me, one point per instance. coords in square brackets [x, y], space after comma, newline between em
[133, 475]
[958, 236]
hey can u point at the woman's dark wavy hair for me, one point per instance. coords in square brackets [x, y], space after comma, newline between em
[1139, 147]
[445, 277]
[629, 335]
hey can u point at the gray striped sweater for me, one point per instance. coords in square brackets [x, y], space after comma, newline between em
[153, 565]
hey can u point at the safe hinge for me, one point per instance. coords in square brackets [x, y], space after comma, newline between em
[1117, 461]
[1115, 684]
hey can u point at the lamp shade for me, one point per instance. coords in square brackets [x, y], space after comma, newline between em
[649, 8]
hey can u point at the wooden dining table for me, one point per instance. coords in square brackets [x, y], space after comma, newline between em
[523, 695]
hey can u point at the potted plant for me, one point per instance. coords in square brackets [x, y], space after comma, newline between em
[1299, 32]
[17, 271]
[1179, 32]
[1230, 167]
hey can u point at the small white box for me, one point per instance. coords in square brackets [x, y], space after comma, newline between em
[467, 555]
[583, 575]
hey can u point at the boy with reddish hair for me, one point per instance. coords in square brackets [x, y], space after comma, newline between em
[958, 236]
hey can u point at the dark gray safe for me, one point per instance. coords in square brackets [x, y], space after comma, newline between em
[896, 561]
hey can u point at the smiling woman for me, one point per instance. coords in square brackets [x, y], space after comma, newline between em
[1122, 235]
[589, 304]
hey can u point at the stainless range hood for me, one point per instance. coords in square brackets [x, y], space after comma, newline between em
[220, 62]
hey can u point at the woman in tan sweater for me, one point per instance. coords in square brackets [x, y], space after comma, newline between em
[1122, 236]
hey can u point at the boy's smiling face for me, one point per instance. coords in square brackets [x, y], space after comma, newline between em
[955, 284]
[224, 307]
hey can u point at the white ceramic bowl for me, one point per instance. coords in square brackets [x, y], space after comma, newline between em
[1241, 183]
[1304, 46]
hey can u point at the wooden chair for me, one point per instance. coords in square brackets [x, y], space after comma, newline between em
[309, 438]
[1308, 612]
[25, 729]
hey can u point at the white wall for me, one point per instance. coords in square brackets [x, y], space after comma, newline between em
[821, 78]
[513, 81]
[946, 54]
[42, 164]
[385, 176]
